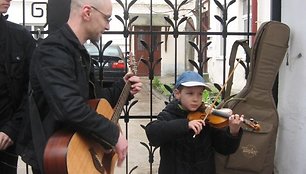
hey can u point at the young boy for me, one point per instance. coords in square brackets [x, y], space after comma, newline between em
[187, 147]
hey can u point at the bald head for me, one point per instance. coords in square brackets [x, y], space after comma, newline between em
[77, 3]
[89, 18]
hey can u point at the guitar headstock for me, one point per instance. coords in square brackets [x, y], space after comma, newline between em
[132, 63]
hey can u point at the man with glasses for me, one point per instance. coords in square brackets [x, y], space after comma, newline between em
[107, 18]
[62, 81]
[16, 47]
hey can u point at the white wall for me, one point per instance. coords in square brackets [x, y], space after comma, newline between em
[264, 11]
[16, 12]
[215, 65]
[291, 151]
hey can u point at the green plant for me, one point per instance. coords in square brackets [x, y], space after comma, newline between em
[159, 86]
[209, 97]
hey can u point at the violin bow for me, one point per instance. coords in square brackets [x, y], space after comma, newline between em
[209, 108]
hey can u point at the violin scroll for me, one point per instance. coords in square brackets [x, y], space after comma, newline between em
[253, 124]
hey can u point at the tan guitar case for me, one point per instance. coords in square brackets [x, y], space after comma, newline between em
[255, 154]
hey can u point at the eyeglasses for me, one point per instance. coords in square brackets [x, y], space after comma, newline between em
[106, 17]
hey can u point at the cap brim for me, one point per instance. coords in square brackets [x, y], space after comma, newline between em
[194, 83]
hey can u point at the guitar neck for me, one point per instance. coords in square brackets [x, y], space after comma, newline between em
[125, 92]
[121, 102]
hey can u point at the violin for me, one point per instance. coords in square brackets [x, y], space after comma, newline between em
[218, 118]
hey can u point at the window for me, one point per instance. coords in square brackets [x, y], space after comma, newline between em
[247, 16]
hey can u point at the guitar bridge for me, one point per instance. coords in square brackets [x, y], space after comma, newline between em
[97, 163]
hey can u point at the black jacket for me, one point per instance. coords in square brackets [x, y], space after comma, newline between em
[16, 48]
[62, 80]
[180, 153]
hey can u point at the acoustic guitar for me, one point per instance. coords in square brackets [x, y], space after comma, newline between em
[69, 152]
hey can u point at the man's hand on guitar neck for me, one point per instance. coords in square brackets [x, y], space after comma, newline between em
[136, 84]
[121, 149]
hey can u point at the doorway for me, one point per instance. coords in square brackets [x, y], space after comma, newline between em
[141, 52]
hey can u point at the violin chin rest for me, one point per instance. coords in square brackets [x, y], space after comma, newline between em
[223, 112]
[227, 111]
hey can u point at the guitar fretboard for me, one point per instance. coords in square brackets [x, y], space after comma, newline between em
[121, 101]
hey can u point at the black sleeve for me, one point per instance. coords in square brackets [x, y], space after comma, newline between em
[111, 94]
[225, 143]
[56, 75]
[27, 44]
[165, 129]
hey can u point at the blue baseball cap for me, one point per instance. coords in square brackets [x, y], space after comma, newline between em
[190, 78]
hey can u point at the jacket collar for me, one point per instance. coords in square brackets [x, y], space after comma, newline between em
[175, 108]
[3, 16]
[70, 35]
[3, 27]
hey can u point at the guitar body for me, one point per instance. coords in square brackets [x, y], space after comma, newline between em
[70, 152]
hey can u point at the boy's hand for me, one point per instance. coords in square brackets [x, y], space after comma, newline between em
[196, 126]
[235, 122]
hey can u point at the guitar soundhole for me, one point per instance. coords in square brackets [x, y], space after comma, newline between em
[97, 163]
